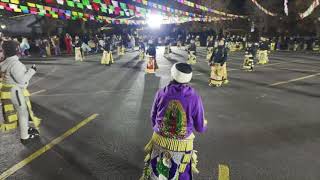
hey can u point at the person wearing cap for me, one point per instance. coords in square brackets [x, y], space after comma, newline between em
[263, 51]
[152, 65]
[176, 113]
[218, 65]
[107, 58]
[192, 58]
[15, 96]
[79, 55]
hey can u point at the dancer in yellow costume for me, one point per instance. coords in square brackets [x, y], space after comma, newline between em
[107, 58]
[192, 58]
[218, 65]
[263, 57]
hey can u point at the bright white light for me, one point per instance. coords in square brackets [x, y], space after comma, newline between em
[3, 26]
[154, 21]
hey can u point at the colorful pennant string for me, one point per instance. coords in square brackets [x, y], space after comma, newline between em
[205, 9]
[107, 7]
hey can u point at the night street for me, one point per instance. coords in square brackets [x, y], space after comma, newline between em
[264, 125]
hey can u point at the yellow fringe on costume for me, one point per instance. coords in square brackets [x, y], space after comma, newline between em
[216, 75]
[122, 50]
[48, 51]
[316, 48]
[273, 46]
[78, 54]
[192, 59]
[9, 111]
[209, 53]
[232, 47]
[177, 146]
[171, 144]
[224, 74]
[263, 57]
[248, 63]
[119, 50]
[142, 55]
[107, 58]
[198, 43]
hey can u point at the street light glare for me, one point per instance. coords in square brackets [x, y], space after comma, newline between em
[154, 21]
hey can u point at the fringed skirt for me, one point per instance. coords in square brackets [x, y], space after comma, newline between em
[192, 58]
[169, 159]
[248, 63]
[107, 58]
[263, 57]
[78, 54]
[209, 52]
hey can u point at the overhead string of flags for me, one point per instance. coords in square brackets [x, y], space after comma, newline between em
[206, 9]
[104, 11]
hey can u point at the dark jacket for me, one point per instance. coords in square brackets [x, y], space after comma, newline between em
[193, 47]
[78, 43]
[250, 50]
[107, 45]
[142, 46]
[152, 50]
[210, 44]
[220, 55]
[264, 46]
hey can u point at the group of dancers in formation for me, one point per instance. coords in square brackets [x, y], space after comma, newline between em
[217, 55]
[176, 113]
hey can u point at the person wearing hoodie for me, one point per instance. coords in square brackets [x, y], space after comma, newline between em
[218, 65]
[15, 96]
[176, 113]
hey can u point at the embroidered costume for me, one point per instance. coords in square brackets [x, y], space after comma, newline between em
[176, 111]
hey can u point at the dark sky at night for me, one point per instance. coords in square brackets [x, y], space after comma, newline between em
[237, 5]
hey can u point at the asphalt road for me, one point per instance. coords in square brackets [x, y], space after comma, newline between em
[264, 125]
